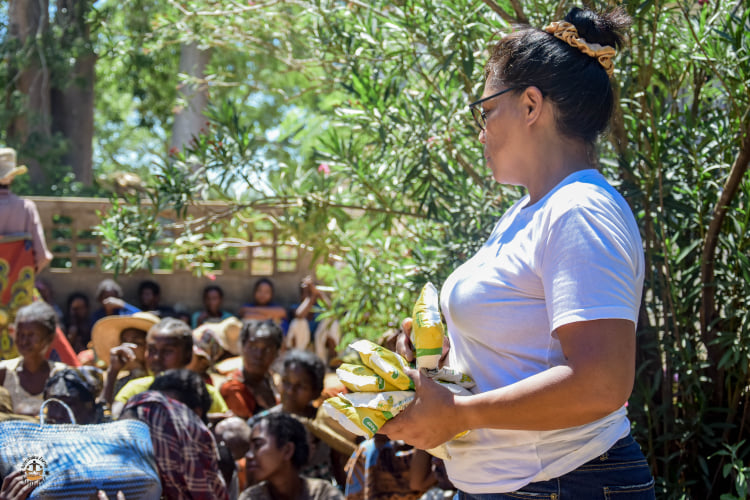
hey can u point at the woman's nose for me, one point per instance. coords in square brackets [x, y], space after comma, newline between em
[482, 136]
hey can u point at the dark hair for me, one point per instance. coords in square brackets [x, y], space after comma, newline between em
[38, 312]
[77, 295]
[150, 285]
[577, 84]
[254, 326]
[173, 327]
[309, 362]
[187, 387]
[262, 281]
[215, 288]
[286, 429]
[108, 285]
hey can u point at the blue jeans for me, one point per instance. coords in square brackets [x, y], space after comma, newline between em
[621, 473]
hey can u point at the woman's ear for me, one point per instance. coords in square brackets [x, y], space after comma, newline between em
[287, 450]
[533, 103]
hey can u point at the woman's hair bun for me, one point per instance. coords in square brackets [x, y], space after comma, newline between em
[605, 28]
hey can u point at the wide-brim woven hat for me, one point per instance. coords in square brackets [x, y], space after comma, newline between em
[226, 333]
[106, 332]
[8, 167]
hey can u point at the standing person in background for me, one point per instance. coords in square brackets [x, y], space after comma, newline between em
[213, 301]
[263, 306]
[23, 250]
[543, 316]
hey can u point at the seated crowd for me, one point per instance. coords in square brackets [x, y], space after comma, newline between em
[232, 403]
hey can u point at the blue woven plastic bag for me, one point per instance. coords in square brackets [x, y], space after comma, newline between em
[72, 461]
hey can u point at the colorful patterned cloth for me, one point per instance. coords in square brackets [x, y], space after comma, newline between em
[185, 450]
[380, 469]
[16, 286]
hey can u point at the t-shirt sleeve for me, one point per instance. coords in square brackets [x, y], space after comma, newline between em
[592, 266]
[218, 405]
[132, 388]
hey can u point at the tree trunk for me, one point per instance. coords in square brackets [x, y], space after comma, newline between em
[28, 20]
[73, 103]
[189, 120]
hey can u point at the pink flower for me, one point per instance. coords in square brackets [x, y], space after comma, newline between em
[323, 168]
[211, 276]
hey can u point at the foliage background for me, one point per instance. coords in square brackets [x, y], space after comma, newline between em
[351, 117]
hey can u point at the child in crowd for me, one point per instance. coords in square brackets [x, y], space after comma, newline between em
[251, 390]
[25, 376]
[233, 438]
[278, 450]
[301, 385]
[214, 342]
[213, 299]
[263, 306]
[119, 343]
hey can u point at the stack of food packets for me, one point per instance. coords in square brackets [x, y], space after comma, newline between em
[380, 387]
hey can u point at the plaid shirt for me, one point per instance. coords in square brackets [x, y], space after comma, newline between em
[185, 450]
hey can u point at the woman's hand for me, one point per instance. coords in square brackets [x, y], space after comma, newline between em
[15, 487]
[430, 420]
[406, 349]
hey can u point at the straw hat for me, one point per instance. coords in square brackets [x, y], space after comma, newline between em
[8, 168]
[106, 332]
[225, 333]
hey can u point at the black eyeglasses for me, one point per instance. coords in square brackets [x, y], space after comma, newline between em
[480, 117]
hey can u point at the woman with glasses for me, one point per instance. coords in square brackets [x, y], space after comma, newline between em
[543, 316]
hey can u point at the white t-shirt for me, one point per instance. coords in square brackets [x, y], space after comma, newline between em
[575, 255]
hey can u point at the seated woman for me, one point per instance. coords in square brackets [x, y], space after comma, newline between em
[78, 388]
[25, 376]
[251, 390]
[278, 450]
[263, 306]
[213, 299]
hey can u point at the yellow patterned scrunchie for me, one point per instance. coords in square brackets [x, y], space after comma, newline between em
[568, 33]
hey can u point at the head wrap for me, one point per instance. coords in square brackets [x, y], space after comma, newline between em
[568, 33]
[85, 382]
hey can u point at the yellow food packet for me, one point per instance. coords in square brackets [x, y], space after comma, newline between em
[427, 329]
[392, 401]
[389, 365]
[359, 378]
[360, 421]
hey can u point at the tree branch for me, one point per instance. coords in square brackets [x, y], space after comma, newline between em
[499, 11]
[708, 310]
